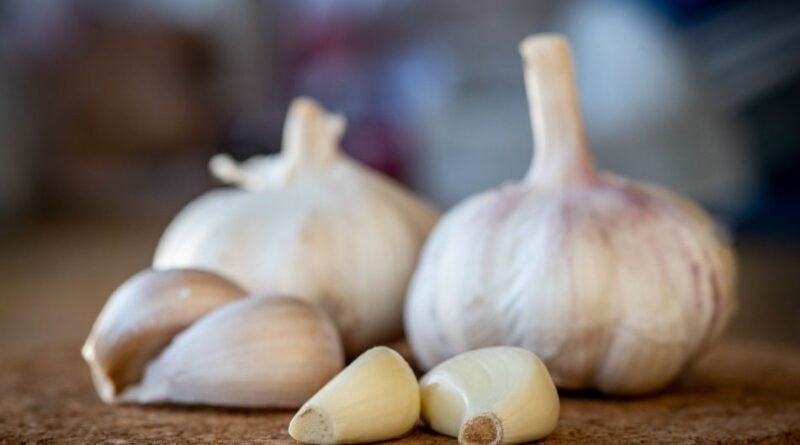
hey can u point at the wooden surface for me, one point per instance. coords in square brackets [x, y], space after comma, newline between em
[743, 392]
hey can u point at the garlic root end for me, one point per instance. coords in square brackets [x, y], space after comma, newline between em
[483, 429]
[312, 425]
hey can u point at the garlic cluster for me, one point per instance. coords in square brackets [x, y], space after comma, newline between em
[493, 395]
[615, 285]
[312, 223]
[189, 336]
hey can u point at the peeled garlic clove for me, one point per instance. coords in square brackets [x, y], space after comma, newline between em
[309, 222]
[615, 285]
[143, 316]
[255, 352]
[490, 396]
[375, 398]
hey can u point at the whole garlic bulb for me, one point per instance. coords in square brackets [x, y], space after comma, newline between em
[615, 285]
[309, 222]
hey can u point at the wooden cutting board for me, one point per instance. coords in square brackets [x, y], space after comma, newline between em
[742, 392]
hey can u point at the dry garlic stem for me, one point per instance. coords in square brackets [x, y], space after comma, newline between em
[490, 396]
[143, 316]
[375, 398]
[616, 285]
[309, 222]
[254, 352]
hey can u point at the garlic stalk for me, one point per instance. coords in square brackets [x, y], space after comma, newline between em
[143, 316]
[490, 396]
[255, 352]
[375, 398]
[615, 285]
[309, 222]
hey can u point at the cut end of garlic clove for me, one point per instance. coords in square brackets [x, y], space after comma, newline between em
[311, 425]
[489, 396]
[483, 429]
[375, 398]
[142, 317]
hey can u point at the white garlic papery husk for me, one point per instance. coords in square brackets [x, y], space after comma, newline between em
[309, 222]
[615, 285]
[254, 352]
[141, 318]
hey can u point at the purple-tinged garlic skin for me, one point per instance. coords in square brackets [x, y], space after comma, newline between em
[615, 285]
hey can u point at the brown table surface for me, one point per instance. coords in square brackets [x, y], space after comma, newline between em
[741, 392]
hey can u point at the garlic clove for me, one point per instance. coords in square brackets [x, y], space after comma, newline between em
[255, 352]
[489, 396]
[309, 222]
[142, 317]
[375, 398]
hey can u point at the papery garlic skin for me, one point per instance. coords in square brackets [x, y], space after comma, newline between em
[375, 398]
[309, 222]
[494, 395]
[615, 285]
[256, 352]
[142, 316]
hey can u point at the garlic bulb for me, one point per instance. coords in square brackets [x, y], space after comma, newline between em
[255, 352]
[143, 316]
[375, 398]
[492, 395]
[615, 285]
[309, 222]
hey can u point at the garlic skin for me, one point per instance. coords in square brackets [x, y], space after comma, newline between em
[142, 316]
[309, 222]
[492, 395]
[375, 398]
[615, 285]
[255, 352]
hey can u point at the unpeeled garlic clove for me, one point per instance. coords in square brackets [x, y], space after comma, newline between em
[490, 396]
[375, 398]
[142, 317]
[255, 352]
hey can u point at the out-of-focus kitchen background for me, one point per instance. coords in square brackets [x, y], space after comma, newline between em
[110, 110]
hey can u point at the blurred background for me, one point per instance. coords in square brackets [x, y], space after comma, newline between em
[109, 112]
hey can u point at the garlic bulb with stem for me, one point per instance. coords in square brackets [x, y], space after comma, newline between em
[254, 352]
[309, 222]
[614, 284]
[143, 316]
